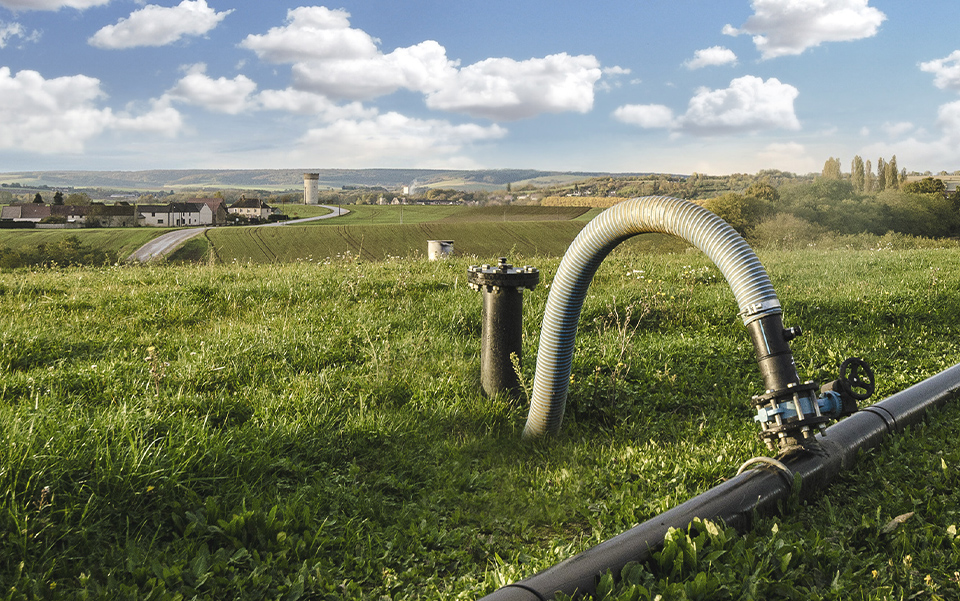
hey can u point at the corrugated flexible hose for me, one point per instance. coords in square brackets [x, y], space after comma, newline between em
[712, 235]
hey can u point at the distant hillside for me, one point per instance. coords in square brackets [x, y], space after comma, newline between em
[280, 179]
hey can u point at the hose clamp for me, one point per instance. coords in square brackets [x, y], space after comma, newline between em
[755, 311]
[784, 471]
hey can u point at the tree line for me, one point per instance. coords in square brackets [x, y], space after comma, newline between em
[888, 176]
[878, 205]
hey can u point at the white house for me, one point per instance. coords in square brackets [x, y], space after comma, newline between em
[251, 208]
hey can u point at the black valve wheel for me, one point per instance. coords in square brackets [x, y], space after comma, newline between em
[856, 378]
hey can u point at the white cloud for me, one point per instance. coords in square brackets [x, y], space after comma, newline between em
[895, 130]
[162, 119]
[946, 71]
[9, 31]
[312, 33]
[51, 4]
[308, 103]
[392, 137]
[928, 152]
[645, 115]
[948, 117]
[221, 95]
[504, 89]
[788, 27]
[60, 115]
[155, 25]
[749, 104]
[333, 59]
[787, 156]
[711, 57]
[420, 68]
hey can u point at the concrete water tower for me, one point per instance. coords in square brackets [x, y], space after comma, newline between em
[311, 185]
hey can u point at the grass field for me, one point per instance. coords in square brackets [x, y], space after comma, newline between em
[376, 242]
[119, 241]
[317, 431]
[413, 214]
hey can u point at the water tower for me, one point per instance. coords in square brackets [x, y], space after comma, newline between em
[311, 184]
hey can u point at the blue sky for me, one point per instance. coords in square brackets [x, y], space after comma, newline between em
[620, 85]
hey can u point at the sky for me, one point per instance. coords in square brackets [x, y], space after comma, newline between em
[680, 86]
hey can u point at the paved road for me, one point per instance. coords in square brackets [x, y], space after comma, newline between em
[165, 244]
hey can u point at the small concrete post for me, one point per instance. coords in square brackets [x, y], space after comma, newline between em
[439, 249]
[502, 336]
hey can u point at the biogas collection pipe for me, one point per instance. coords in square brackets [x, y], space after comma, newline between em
[788, 413]
[756, 490]
[759, 305]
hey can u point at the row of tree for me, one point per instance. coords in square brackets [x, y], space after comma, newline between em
[888, 176]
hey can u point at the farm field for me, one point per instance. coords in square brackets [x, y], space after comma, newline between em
[317, 430]
[376, 234]
[119, 241]
[375, 242]
[413, 214]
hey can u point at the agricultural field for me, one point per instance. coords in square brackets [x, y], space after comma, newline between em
[316, 430]
[118, 241]
[375, 233]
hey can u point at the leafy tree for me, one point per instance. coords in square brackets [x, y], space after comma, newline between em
[831, 169]
[869, 181]
[58, 198]
[762, 190]
[38, 200]
[927, 185]
[893, 174]
[857, 174]
[927, 215]
[881, 175]
[742, 212]
[77, 199]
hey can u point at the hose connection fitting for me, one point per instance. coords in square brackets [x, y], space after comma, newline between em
[791, 416]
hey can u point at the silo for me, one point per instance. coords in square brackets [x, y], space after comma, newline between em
[311, 184]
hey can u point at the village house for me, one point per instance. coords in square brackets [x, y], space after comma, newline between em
[251, 208]
[175, 214]
[217, 210]
[192, 212]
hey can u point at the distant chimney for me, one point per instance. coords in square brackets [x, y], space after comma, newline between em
[311, 185]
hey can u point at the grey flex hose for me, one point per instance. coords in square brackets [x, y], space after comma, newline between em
[713, 236]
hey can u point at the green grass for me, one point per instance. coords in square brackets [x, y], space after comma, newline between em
[119, 241]
[317, 430]
[388, 214]
[376, 242]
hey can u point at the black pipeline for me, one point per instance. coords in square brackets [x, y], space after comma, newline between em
[755, 490]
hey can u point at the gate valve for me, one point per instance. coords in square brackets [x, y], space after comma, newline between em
[856, 383]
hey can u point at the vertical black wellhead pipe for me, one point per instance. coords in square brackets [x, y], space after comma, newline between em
[502, 336]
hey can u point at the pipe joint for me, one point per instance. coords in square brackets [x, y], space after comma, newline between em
[790, 416]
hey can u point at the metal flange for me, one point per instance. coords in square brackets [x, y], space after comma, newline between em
[501, 276]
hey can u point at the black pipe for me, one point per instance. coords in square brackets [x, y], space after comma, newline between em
[736, 500]
[502, 347]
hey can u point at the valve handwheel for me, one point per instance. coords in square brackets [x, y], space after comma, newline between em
[857, 378]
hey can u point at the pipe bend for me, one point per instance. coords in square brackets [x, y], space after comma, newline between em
[662, 214]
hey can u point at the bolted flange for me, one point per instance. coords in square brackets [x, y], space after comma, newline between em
[503, 275]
